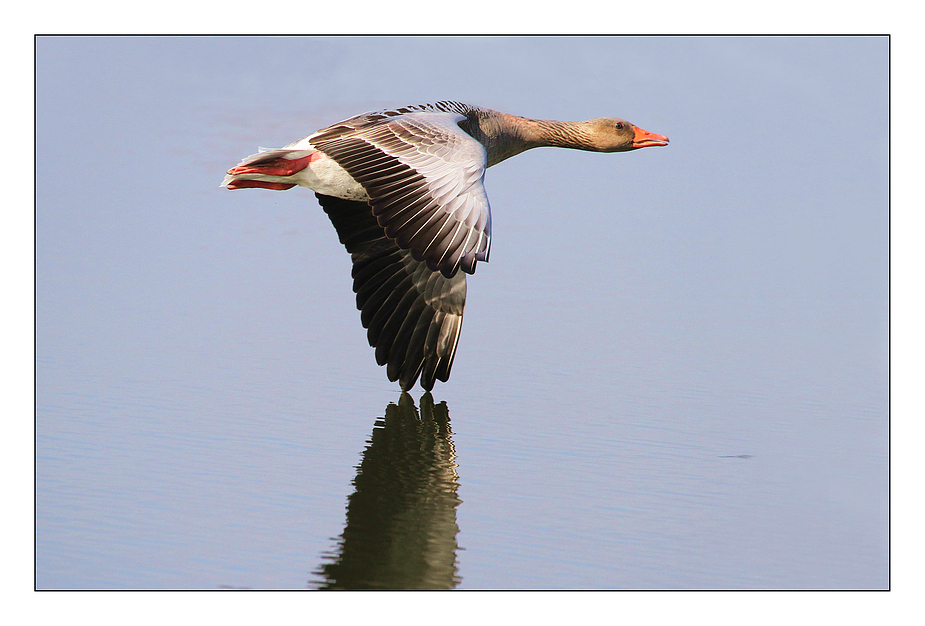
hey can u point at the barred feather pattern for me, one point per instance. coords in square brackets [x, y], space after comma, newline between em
[413, 315]
[423, 174]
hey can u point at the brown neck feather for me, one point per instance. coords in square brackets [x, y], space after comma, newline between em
[507, 135]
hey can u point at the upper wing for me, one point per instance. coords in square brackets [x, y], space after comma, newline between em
[423, 175]
[413, 314]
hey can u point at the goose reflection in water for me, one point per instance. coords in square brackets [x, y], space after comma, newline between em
[401, 519]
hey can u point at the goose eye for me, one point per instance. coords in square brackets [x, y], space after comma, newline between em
[619, 125]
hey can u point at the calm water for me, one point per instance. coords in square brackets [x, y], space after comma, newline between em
[672, 374]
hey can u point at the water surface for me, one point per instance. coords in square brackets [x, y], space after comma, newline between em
[672, 374]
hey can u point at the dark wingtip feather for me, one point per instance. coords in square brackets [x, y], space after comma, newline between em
[405, 307]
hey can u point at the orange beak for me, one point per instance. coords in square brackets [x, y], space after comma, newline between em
[644, 138]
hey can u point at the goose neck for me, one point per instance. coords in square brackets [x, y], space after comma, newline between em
[509, 135]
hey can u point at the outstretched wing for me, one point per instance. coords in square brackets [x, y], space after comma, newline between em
[413, 313]
[423, 175]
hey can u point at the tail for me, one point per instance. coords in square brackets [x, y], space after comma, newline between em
[270, 169]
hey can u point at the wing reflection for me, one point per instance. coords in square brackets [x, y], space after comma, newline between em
[401, 520]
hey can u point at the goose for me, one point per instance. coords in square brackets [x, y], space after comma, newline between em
[404, 190]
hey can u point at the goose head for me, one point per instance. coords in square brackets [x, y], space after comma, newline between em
[612, 134]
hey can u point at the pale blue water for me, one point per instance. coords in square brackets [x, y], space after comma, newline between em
[672, 374]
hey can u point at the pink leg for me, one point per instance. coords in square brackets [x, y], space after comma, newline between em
[245, 184]
[276, 167]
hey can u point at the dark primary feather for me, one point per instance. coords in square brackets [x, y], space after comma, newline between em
[413, 313]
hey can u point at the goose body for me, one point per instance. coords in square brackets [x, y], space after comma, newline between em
[404, 190]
